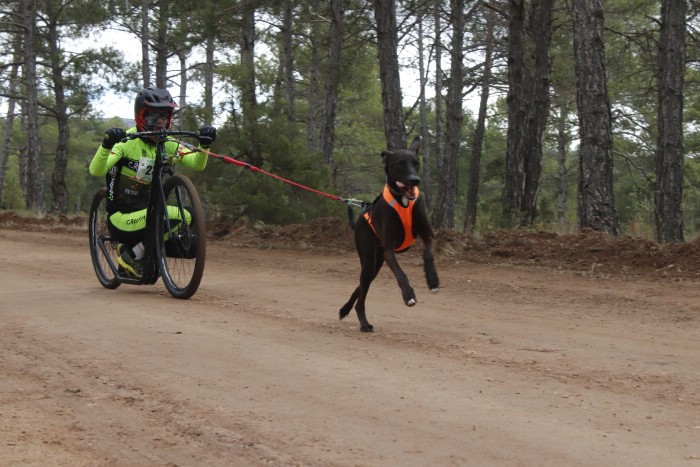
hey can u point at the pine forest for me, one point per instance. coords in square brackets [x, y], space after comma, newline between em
[544, 115]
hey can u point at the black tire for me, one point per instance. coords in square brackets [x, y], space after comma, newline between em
[103, 249]
[181, 255]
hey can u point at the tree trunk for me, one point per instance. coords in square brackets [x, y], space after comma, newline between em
[277, 104]
[562, 171]
[13, 82]
[183, 90]
[208, 114]
[59, 204]
[248, 84]
[477, 144]
[5, 151]
[392, 100]
[540, 27]
[145, 47]
[312, 143]
[337, 14]
[528, 108]
[288, 53]
[444, 215]
[596, 198]
[517, 113]
[35, 171]
[424, 129]
[669, 151]
[24, 164]
[161, 48]
[439, 147]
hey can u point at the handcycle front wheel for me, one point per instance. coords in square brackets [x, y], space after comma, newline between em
[181, 237]
[103, 249]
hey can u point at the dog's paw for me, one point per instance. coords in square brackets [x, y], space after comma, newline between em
[409, 297]
[435, 290]
[367, 328]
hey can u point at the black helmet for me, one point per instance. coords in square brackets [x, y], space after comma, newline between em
[152, 99]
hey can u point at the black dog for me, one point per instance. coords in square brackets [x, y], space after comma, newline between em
[390, 226]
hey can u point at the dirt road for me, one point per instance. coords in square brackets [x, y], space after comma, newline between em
[506, 366]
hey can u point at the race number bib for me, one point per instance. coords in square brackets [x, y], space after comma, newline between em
[145, 170]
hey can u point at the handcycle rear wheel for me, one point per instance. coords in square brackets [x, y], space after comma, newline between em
[181, 246]
[102, 247]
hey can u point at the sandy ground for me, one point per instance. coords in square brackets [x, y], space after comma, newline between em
[506, 366]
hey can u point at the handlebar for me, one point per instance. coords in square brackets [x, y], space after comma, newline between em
[161, 134]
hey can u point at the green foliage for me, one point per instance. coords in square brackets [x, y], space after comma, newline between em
[359, 135]
[489, 209]
[233, 192]
[355, 171]
[13, 198]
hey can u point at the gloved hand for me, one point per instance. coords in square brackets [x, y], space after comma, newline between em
[112, 137]
[207, 135]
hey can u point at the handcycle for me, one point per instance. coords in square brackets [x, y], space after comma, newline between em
[174, 250]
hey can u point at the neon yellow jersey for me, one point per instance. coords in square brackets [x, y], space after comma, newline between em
[128, 167]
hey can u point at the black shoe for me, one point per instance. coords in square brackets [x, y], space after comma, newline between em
[127, 261]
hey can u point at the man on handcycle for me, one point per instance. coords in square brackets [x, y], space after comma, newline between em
[128, 168]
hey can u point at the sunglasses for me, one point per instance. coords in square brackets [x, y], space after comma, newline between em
[154, 118]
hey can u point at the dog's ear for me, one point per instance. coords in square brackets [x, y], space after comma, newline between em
[415, 145]
[386, 155]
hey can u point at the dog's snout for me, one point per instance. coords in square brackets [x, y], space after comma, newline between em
[414, 180]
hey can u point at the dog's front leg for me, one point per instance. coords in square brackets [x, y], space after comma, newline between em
[431, 274]
[425, 232]
[409, 296]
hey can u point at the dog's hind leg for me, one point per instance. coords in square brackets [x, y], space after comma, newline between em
[367, 275]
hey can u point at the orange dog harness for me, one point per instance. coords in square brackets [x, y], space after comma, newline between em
[405, 214]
